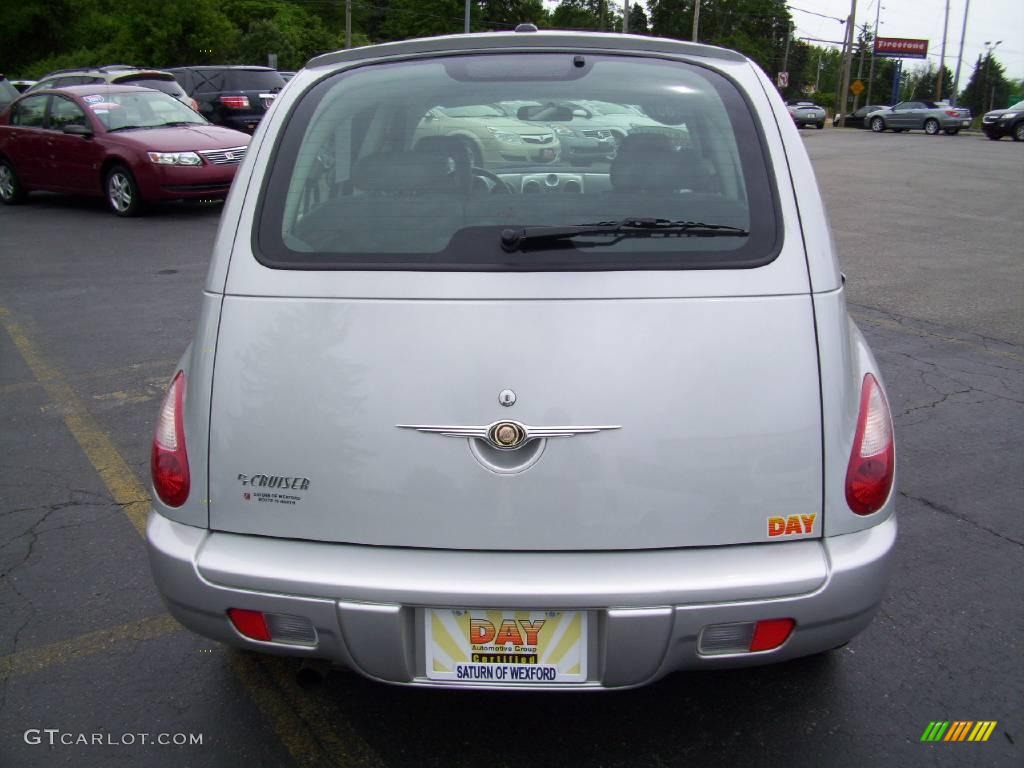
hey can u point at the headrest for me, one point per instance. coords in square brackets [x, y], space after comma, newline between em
[449, 146]
[647, 161]
[402, 172]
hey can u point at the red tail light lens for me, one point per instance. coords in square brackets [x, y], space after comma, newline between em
[873, 458]
[235, 102]
[249, 623]
[168, 461]
[770, 634]
[952, 112]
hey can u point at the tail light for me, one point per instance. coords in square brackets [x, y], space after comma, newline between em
[168, 461]
[873, 458]
[235, 102]
[952, 112]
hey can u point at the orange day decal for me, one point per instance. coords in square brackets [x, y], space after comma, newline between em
[792, 525]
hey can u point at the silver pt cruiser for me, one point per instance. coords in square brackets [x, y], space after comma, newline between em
[456, 426]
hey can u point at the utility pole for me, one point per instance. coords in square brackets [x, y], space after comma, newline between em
[348, 23]
[960, 56]
[860, 64]
[625, 17]
[942, 56]
[847, 63]
[696, 19]
[817, 75]
[989, 48]
[871, 69]
[785, 56]
[466, 26]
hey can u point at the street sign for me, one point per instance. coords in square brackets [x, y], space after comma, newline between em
[901, 47]
[783, 80]
[857, 87]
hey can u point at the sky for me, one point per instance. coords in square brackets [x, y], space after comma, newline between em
[988, 20]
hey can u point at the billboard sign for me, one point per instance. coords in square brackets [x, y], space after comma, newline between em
[901, 47]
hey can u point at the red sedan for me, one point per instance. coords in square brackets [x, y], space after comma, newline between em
[131, 145]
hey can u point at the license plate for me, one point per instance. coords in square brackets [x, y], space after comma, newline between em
[499, 647]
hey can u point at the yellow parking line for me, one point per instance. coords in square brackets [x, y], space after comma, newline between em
[301, 721]
[89, 644]
[292, 715]
[115, 473]
[164, 366]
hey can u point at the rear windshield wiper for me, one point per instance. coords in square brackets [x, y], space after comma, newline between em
[516, 239]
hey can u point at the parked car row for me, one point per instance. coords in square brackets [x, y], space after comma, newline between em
[128, 144]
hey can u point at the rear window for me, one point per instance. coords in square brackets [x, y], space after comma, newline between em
[435, 165]
[169, 85]
[215, 80]
[8, 92]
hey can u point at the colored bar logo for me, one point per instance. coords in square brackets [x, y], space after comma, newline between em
[959, 730]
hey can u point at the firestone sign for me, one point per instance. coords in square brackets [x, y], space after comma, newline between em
[901, 47]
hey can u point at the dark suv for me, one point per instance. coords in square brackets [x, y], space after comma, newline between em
[235, 97]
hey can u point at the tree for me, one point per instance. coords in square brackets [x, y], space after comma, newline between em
[638, 20]
[988, 87]
[577, 14]
[921, 83]
[507, 14]
[756, 28]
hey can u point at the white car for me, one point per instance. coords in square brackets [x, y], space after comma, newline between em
[471, 427]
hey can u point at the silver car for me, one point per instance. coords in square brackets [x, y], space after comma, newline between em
[457, 426]
[927, 116]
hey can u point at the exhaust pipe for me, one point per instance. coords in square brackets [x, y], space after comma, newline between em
[312, 672]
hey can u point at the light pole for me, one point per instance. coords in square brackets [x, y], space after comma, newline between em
[989, 49]
[942, 57]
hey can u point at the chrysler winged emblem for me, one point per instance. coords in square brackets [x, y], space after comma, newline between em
[505, 435]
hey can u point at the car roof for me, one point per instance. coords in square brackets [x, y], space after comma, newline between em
[86, 90]
[253, 67]
[526, 40]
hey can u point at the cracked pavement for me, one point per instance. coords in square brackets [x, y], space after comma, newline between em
[946, 643]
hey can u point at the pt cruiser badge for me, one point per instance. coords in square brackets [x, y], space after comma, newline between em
[506, 435]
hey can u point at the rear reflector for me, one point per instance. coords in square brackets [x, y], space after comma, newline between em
[744, 637]
[249, 623]
[869, 474]
[273, 627]
[771, 634]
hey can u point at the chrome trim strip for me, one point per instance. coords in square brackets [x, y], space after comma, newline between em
[487, 432]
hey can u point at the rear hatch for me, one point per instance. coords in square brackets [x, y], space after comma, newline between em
[705, 380]
[259, 86]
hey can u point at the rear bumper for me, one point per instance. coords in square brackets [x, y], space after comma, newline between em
[646, 608]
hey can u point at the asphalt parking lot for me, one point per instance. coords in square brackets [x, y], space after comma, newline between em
[95, 311]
